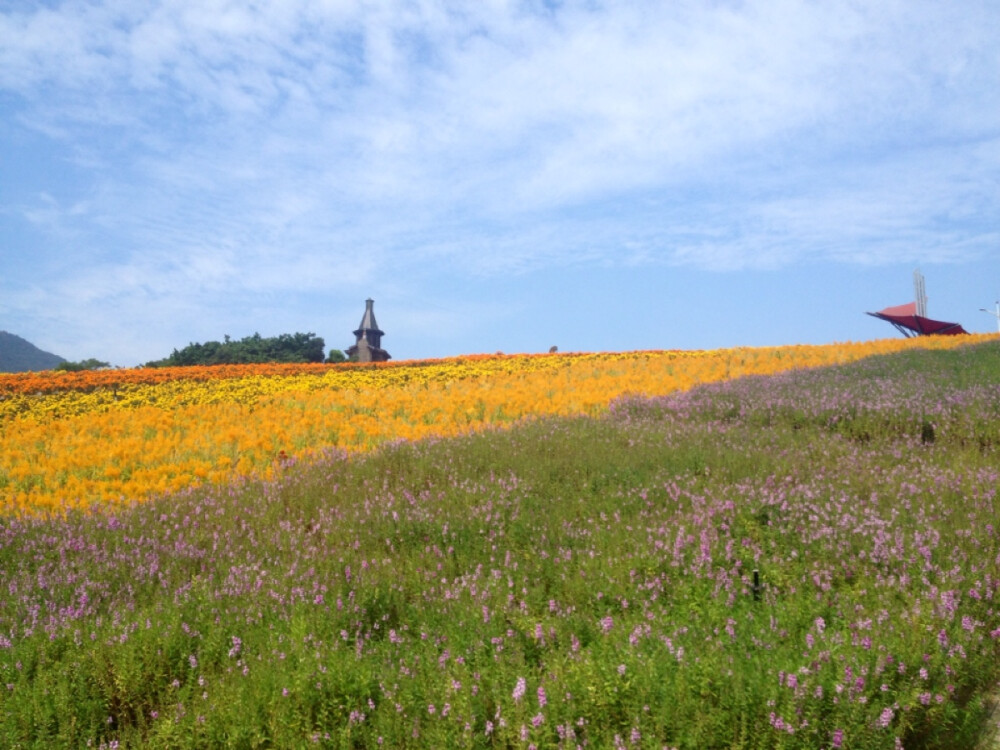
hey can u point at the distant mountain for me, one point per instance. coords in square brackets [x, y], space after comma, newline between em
[18, 355]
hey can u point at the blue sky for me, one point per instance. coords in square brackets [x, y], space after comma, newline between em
[498, 176]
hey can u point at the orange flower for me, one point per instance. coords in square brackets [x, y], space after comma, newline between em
[79, 438]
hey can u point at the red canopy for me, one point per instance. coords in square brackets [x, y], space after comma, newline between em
[908, 323]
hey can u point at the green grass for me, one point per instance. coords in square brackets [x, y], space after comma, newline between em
[398, 599]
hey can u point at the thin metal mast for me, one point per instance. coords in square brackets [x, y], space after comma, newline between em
[919, 294]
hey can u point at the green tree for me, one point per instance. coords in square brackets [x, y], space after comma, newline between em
[288, 347]
[86, 364]
[336, 356]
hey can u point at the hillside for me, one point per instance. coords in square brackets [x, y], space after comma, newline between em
[798, 560]
[18, 355]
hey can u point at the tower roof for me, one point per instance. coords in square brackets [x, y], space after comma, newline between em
[368, 319]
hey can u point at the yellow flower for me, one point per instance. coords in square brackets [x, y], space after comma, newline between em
[80, 439]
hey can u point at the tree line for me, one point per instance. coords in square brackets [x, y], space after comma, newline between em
[288, 347]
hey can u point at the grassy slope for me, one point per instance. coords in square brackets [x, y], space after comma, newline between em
[607, 563]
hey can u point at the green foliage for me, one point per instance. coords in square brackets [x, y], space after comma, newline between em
[400, 598]
[336, 356]
[86, 364]
[296, 347]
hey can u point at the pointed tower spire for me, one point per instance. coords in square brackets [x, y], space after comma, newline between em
[368, 346]
[368, 319]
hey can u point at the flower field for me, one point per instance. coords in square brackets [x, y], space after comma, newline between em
[800, 559]
[103, 437]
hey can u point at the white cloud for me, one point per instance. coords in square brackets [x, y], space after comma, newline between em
[224, 149]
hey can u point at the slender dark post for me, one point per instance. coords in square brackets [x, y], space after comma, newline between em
[756, 585]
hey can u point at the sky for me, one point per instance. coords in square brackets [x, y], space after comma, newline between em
[497, 175]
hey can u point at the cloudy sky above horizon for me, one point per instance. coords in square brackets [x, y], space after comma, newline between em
[497, 175]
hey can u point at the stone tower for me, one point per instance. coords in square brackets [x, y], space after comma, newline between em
[368, 347]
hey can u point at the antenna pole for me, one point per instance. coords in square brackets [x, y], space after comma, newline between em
[919, 294]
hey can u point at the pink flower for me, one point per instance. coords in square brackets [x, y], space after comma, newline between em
[519, 689]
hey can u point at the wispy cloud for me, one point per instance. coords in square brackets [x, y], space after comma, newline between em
[220, 148]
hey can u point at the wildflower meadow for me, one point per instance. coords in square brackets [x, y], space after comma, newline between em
[97, 438]
[781, 548]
